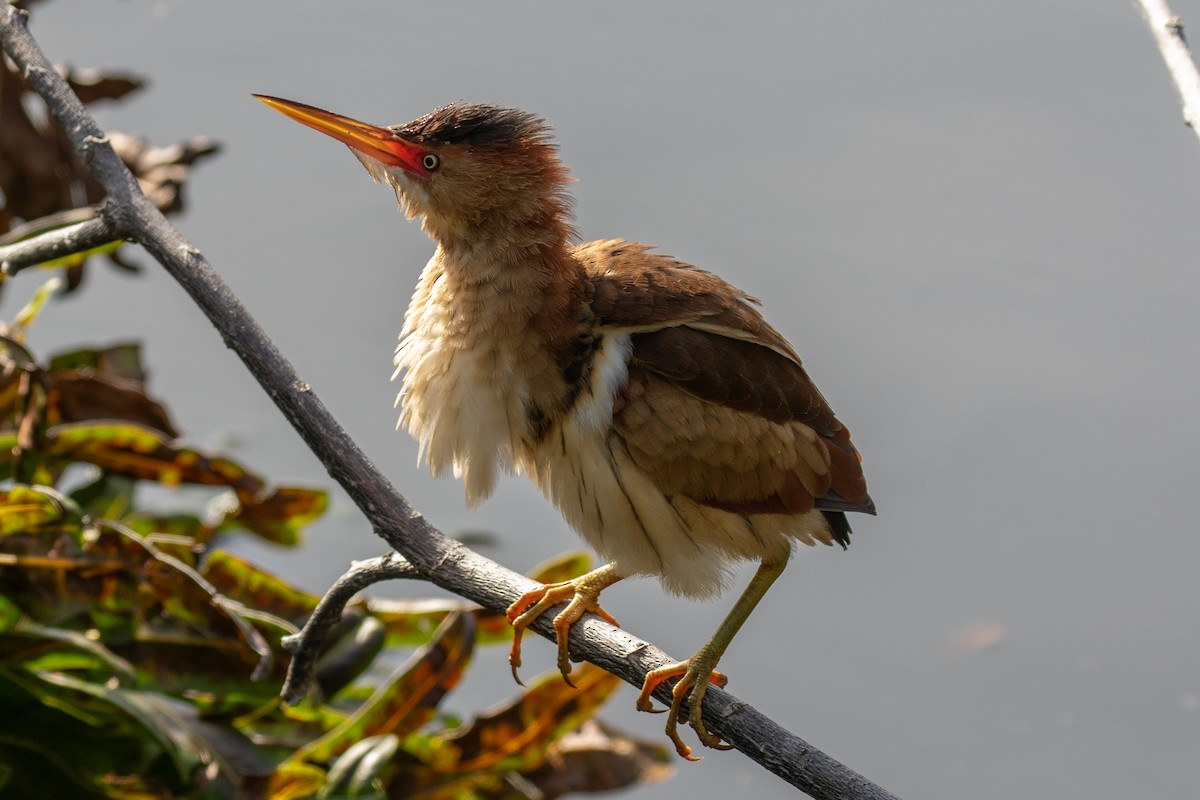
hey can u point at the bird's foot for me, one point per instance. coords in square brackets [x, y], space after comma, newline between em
[582, 592]
[695, 674]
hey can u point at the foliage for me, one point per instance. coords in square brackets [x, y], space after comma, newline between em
[140, 660]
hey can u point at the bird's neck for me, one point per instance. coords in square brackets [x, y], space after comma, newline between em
[506, 282]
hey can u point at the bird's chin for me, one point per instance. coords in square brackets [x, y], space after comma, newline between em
[413, 201]
[410, 194]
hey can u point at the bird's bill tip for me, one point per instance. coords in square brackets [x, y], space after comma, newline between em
[381, 144]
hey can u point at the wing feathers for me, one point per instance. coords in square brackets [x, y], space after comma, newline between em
[740, 374]
[718, 407]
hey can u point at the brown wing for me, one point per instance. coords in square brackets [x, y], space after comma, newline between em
[633, 289]
[718, 407]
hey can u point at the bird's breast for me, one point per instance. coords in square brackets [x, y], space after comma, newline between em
[486, 383]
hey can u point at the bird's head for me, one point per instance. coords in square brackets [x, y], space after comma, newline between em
[463, 168]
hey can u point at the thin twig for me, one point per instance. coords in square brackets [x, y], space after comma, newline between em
[56, 244]
[1167, 30]
[305, 646]
[436, 558]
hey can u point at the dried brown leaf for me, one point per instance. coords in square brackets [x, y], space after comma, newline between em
[599, 758]
[87, 395]
[91, 85]
[123, 359]
[162, 171]
[518, 734]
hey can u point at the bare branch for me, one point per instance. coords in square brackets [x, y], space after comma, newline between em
[1168, 34]
[432, 555]
[57, 243]
[305, 646]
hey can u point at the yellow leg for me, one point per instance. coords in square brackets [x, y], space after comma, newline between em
[583, 593]
[697, 672]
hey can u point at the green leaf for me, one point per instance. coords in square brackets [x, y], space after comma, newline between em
[158, 717]
[182, 524]
[55, 754]
[411, 623]
[10, 614]
[47, 647]
[172, 725]
[187, 597]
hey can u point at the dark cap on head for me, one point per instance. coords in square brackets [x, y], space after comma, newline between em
[476, 126]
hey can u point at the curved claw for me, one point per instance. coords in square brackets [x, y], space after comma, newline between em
[514, 655]
[583, 593]
[520, 615]
[694, 679]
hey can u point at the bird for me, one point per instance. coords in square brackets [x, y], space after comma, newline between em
[675, 430]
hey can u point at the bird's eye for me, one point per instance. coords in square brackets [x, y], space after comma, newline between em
[430, 161]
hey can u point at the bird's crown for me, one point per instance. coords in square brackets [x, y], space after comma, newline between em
[476, 125]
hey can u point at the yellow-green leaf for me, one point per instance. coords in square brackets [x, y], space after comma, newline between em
[28, 314]
[280, 516]
[295, 780]
[34, 509]
[562, 567]
[518, 734]
[130, 449]
[253, 586]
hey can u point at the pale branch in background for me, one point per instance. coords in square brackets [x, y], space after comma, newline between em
[431, 555]
[1168, 35]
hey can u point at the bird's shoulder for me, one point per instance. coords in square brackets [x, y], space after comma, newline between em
[694, 329]
[630, 288]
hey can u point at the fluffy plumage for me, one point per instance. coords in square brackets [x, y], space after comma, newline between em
[672, 426]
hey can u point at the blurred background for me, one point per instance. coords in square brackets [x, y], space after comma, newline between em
[977, 223]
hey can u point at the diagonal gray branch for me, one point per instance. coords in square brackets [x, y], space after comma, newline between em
[1167, 30]
[432, 555]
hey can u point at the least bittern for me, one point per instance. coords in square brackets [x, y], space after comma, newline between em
[673, 427]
